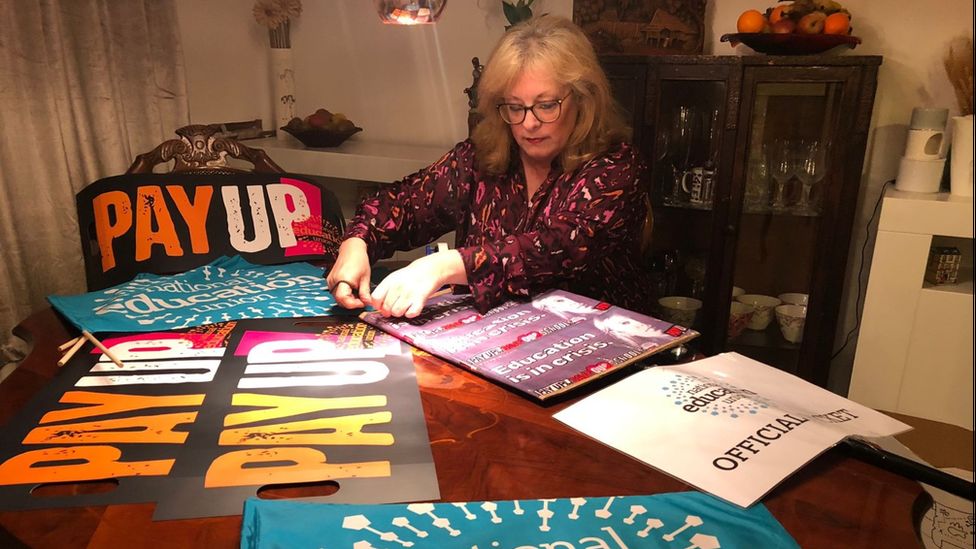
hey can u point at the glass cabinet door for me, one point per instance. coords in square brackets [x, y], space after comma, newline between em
[790, 172]
[689, 190]
[755, 170]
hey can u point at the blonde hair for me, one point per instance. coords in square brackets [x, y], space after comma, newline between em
[558, 47]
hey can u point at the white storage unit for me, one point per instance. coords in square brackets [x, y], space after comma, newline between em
[915, 347]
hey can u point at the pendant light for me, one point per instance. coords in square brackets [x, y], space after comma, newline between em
[409, 12]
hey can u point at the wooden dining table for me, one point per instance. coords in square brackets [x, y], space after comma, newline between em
[488, 444]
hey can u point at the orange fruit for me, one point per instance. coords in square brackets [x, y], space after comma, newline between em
[751, 21]
[837, 23]
[779, 12]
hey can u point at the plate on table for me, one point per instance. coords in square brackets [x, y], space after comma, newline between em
[790, 43]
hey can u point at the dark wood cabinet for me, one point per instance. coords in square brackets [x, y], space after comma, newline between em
[755, 164]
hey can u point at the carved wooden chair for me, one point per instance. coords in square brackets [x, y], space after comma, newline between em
[201, 150]
[163, 223]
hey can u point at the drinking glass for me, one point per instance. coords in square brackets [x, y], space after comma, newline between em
[757, 182]
[810, 170]
[781, 168]
[679, 148]
[662, 157]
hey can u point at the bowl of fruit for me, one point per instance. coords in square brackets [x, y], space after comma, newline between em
[322, 129]
[802, 27]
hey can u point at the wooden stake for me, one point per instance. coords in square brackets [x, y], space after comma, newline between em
[68, 344]
[79, 342]
[102, 348]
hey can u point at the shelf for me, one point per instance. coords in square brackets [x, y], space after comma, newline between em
[964, 286]
[927, 213]
[786, 213]
[770, 338]
[689, 206]
[355, 159]
[685, 207]
[785, 359]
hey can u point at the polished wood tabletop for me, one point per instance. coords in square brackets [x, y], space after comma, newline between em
[487, 444]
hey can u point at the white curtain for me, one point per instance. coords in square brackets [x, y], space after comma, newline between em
[85, 85]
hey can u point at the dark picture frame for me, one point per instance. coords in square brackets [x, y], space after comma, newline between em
[648, 27]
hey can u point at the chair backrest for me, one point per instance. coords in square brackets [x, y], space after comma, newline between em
[472, 93]
[144, 222]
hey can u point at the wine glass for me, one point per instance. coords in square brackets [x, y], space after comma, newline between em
[680, 145]
[757, 182]
[810, 170]
[662, 153]
[781, 169]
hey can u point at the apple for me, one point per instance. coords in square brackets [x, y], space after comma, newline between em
[811, 23]
[784, 26]
[318, 120]
[780, 12]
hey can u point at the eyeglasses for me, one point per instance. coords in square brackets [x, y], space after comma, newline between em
[544, 111]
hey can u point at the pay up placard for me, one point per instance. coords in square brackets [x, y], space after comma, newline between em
[199, 420]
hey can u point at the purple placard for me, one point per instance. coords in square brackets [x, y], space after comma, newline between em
[542, 347]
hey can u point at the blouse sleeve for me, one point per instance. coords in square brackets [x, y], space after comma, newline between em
[416, 210]
[601, 215]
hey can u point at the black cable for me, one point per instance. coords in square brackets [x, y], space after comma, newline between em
[879, 457]
[860, 273]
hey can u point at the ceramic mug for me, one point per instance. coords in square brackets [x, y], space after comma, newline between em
[699, 188]
[791, 319]
[794, 298]
[763, 313]
[739, 315]
[678, 309]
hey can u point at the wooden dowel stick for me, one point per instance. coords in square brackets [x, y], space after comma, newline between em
[70, 343]
[78, 344]
[102, 348]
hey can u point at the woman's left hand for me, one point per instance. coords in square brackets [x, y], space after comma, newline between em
[405, 291]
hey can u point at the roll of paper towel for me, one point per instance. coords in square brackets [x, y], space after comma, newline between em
[961, 168]
[919, 175]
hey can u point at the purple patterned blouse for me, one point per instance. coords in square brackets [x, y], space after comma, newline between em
[580, 232]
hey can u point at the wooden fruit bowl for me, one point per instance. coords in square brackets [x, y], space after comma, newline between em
[321, 137]
[790, 43]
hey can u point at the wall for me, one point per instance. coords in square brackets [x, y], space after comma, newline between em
[403, 84]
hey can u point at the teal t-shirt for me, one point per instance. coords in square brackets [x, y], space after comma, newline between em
[686, 520]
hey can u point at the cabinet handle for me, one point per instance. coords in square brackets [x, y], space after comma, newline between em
[730, 229]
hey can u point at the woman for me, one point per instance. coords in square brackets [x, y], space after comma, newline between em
[562, 306]
[631, 331]
[545, 194]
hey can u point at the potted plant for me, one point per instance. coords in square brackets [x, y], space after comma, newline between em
[517, 12]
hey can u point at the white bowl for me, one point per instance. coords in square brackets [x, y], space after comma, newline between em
[679, 309]
[763, 314]
[791, 320]
[794, 298]
[739, 314]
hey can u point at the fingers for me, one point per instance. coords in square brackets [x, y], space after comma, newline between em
[396, 304]
[389, 292]
[364, 291]
[349, 278]
[345, 297]
[399, 296]
[414, 309]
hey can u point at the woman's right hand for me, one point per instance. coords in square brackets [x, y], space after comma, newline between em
[349, 278]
